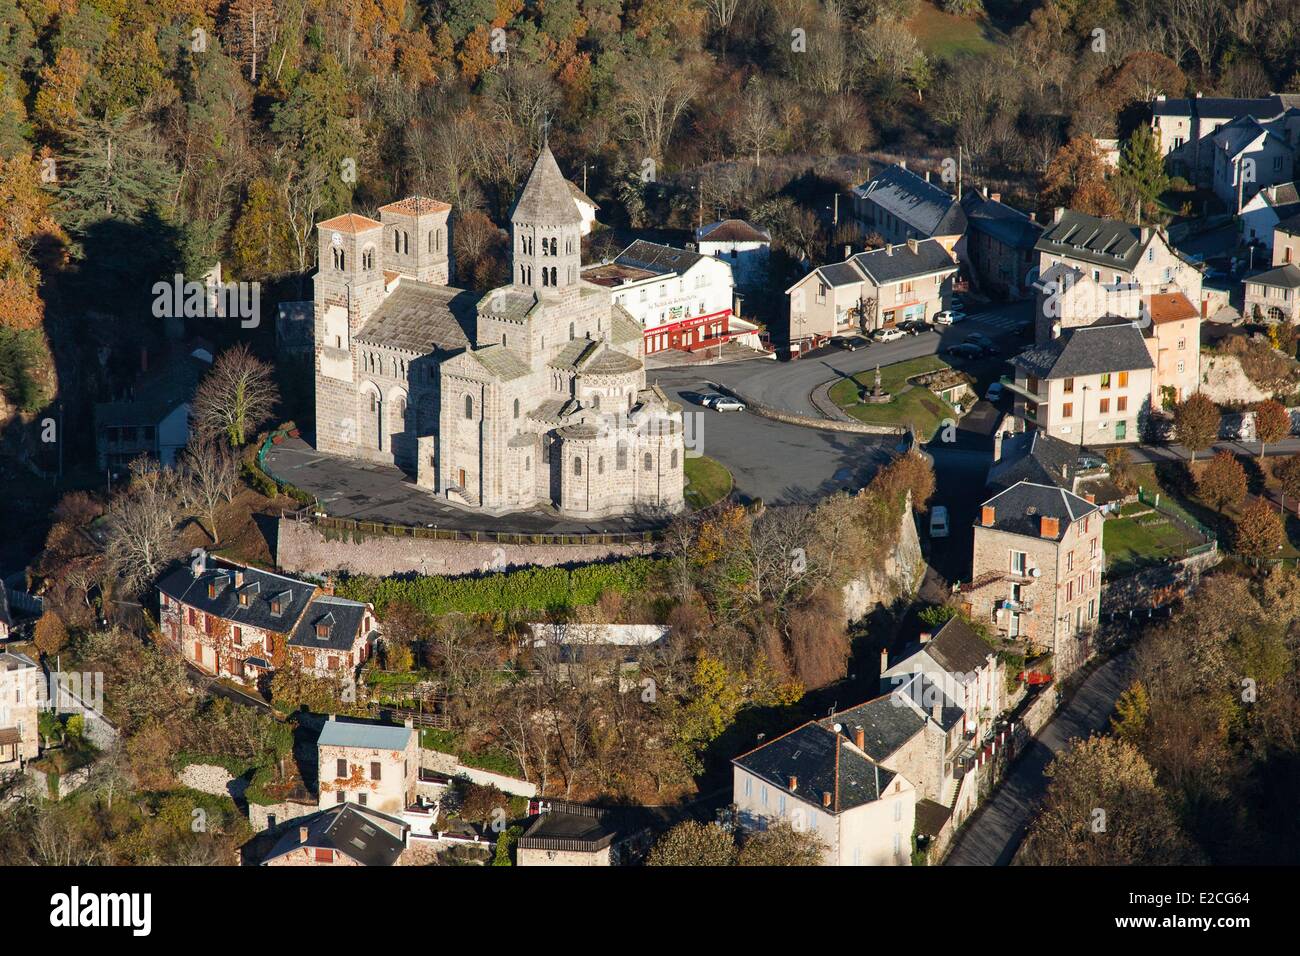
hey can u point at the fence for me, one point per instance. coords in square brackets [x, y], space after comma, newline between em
[1167, 507]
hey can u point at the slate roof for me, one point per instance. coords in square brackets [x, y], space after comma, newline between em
[821, 761]
[1283, 198]
[657, 258]
[157, 394]
[1290, 225]
[355, 831]
[1018, 509]
[1237, 136]
[1283, 277]
[732, 230]
[604, 360]
[344, 618]
[261, 587]
[1220, 107]
[14, 661]
[1087, 350]
[896, 263]
[348, 733]
[922, 205]
[1104, 242]
[422, 318]
[887, 722]
[1034, 456]
[1009, 226]
[580, 196]
[840, 274]
[546, 197]
[956, 648]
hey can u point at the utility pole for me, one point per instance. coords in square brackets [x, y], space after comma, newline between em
[835, 216]
[959, 172]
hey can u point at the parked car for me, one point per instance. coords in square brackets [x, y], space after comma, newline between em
[980, 339]
[914, 327]
[725, 403]
[948, 317]
[966, 351]
[888, 335]
[938, 522]
[851, 343]
[994, 392]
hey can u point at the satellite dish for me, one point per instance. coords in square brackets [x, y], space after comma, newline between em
[839, 728]
[1035, 573]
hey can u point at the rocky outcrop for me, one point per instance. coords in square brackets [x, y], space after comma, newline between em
[900, 576]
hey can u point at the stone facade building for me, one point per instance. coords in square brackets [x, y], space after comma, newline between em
[532, 396]
[1036, 570]
[20, 699]
[373, 765]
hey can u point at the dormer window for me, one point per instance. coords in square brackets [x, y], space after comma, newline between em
[275, 606]
[243, 600]
[323, 627]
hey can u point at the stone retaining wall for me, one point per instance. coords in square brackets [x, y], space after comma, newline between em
[790, 418]
[303, 547]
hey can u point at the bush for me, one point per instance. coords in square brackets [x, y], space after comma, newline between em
[535, 589]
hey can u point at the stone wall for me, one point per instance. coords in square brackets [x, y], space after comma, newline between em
[260, 815]
[447, 764]
[302, 547]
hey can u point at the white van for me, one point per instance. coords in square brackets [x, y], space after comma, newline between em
[938, 522]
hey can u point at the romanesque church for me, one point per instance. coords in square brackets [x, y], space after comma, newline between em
[533, 395]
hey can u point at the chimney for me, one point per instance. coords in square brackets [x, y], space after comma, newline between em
[1146, 234]
[1057, 213]
[1198, 94]
[996, 197]
[911, 246]
[1033, 217]
[884, 659]
[987, 516]
[848, 251]
[239, 577]
[794, 783]
[1056, 330]
[331, 716]
[826, 798]
[925, 637]
[936, 711]
[984, 191]
[860, 738]
[1049, 527]
[410, 723]
[927, 175]
[1090, 498]
[889, 249]
[902, 164]
[302, 834]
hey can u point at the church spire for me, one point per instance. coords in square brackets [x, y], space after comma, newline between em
[546, 199]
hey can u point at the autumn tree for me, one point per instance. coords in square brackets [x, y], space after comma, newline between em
[1120, 466]
[212, 470]
[141, 524]
[691, 843]
[1258, 531]
[1272, 423]
[1196, 423]
[235, 397]
[781, 844]
[1076, 179]
[1104, 807]
[1222, 482]
[49, 634]
[1287, 472]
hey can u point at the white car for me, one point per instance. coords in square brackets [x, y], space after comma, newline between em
[887, 335]
[938, 522]
[949, 317]
[994, 392]
[724, 403]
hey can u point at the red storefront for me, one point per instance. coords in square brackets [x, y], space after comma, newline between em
[689, 334]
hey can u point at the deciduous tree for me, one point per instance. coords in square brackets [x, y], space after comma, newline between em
[1196, 422]
[235, 397]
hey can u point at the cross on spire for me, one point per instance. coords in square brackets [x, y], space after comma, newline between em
[546, 129]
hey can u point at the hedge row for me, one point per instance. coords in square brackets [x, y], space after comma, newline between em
[527, 589]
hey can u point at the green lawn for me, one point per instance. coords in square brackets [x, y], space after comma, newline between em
[942, 35]
[910, 405]
[707, 482]
[1131, 542]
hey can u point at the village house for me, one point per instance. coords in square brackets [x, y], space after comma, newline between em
[746, 247]
[1032, 456]
[964, 666]
[587, 208]
[347, 835]
[1274, 295]
[680, 298]
[1284, 242]
[373, 765]
[899, 205]
[1117, 253]
[572, 834]
[1036, 570]
[1248, 156]
[1265, 211]
[20, 700]
[1000, 245]
[153, 417]
[1090, 385]
[240, 622]
[1172, 330]
[872, 290]
[1185, 127]
[820, 779]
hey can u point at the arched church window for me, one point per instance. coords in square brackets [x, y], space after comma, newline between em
[546, 249]
[374, 402]
[528, 462]
[469, 406]
[577, 466]
[572, 334]
[503, 338]
[545, 278]
[516, 408]
[368, 258]
[554, 246]
[595, 401]
[649, 462]
[600, 466]
[553, 282]
[672, 459]
[620, 457]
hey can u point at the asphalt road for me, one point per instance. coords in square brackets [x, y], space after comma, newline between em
[992, 836]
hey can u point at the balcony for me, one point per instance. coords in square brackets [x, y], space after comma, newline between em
[1010, 385]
